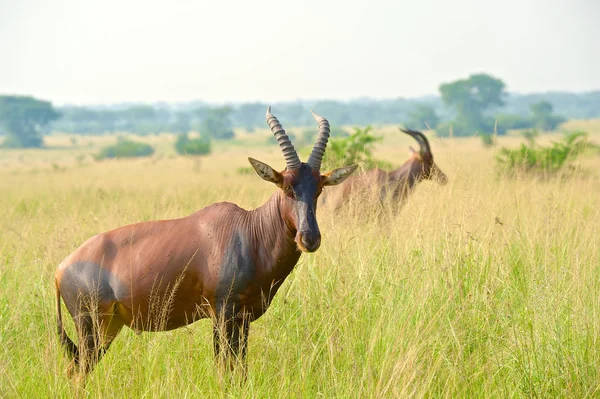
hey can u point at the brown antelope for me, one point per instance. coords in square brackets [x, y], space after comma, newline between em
[222, 262]
[398, 183]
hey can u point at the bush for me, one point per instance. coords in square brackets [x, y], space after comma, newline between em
[530, 136]
[510, 122]
[354, 149]
[488, 140]
[543, 116]
[531, 158]
[125, 149]
[186, 146]
[217, 124]
[244, 170]
[463, 128]
[423, 116]
[13, 142]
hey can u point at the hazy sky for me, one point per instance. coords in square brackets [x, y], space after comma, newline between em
[84, 52]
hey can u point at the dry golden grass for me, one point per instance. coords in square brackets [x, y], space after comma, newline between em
[485, 287]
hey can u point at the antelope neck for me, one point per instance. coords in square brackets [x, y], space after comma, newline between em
[270, 228]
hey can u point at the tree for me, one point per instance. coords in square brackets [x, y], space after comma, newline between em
[423, 116]
[217, 124]
[506, 122]
[353, 149]
[250, 115]
[187, 146]
[542, 116]
[182, 123]
[471, 97]
[25, 120]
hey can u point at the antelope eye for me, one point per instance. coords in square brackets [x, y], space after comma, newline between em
[288, 191]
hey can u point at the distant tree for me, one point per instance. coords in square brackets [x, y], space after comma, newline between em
[217, 124]
[471, 97]
[125, 149]
[488, 140]
[506, 122]
[186, 146]
[250, 115]
[139, 112]
[542, 116]
[25, 120]
[182, 123]
[423, 116]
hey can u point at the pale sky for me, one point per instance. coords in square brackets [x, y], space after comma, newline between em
[99, 52]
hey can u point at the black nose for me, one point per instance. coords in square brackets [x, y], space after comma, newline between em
[311, 241]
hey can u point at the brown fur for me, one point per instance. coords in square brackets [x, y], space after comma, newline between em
[378, 185]
[222, 262]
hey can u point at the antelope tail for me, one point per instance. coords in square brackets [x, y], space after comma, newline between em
[70, 347]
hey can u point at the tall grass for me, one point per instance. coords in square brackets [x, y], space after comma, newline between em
[481, 288]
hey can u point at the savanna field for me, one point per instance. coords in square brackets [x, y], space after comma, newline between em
[487, 287]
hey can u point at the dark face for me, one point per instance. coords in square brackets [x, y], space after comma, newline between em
[301, 188]
[431, 171]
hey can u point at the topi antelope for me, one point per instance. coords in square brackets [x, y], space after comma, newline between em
[222, 262]
[398, 183]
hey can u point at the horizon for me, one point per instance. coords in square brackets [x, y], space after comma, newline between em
[299, 100]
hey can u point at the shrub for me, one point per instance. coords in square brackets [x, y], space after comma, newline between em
[510, 122]
[186, 146]
[125, 149]
[532, 158]
[463, 128]
[543, 116]
[217, 124]
[244, 170]
[13, 142]
[356, 148]
[488, 140]
[423, 116]
[530, 136]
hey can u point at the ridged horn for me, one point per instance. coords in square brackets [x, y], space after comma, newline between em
[292, 161]
[421, 139]
[316, 155]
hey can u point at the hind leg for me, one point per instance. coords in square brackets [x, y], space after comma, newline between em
[96, 333]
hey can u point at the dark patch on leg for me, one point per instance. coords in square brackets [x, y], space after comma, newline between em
[91, 347]
[88, 291]
[230, 328]
[236, 272]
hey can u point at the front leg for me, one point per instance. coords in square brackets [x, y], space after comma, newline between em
[230, 338]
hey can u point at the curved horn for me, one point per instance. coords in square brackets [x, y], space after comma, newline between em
[421, 139]
[292, 161]
[316, 155]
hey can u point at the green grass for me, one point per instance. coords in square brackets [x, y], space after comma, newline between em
[482, 288]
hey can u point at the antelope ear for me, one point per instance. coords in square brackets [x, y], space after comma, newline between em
[266, 172]
[338, 175]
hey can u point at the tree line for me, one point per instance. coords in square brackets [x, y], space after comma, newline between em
[476, 104]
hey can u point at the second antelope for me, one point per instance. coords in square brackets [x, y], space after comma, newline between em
[222, 262]
[396, 184]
